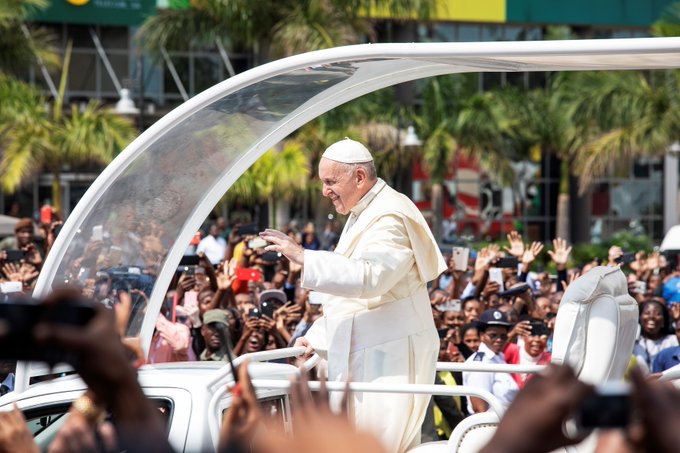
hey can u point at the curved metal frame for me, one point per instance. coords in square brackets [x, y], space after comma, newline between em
[394, 63]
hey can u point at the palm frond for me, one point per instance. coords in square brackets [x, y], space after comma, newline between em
[669, 23]
[173, 29]
[314, 26]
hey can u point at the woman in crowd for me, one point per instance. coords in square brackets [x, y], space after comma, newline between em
[656, 332]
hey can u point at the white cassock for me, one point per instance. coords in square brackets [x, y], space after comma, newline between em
[377, 324]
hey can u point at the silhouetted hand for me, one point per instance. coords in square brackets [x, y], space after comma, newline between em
[14, 434]
[533, 422]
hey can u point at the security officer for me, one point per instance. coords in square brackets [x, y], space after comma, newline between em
[493, 330]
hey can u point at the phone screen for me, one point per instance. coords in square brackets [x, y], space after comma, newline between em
[21, 317]
[496, 275]
[250, 275]
[460, 258]
[191, 299]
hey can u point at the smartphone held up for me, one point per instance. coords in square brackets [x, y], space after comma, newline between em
[19, 315]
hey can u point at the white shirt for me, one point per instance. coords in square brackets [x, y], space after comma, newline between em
[214, 248]
[501, 385]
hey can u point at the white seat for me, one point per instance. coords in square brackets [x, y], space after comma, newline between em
[596, 326]
[594, 333]
[469, 436]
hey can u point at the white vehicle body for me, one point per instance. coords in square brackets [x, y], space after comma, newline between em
[176, 171]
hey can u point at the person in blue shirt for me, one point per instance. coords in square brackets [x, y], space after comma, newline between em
[666, 359]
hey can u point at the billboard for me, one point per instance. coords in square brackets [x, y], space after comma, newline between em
[96, 12]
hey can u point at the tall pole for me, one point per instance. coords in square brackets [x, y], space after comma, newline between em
[140, 100]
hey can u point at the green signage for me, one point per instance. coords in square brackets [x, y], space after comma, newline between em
[100, 12]
[631, 13]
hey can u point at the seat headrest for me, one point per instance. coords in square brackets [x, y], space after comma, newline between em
[597, 281]
[596, 304]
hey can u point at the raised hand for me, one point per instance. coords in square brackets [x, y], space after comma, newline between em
[282, 243]
[12, 272]
[516, 245]
[572, 279]
[243, 418]
[534, 421]
[654, 261]
[530, 254]
[640, 264]
[28, 272]
[560, 254]
[615, 252]
[14, 434]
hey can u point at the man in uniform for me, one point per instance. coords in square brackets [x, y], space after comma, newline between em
[493, 331]
[377, 324]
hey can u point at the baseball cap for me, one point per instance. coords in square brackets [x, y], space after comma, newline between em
[275, 294]
[216, 315]
[493, 317]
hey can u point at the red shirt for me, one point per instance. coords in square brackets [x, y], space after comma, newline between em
[512, 356]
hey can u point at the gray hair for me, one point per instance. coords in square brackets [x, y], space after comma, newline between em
[368, 167]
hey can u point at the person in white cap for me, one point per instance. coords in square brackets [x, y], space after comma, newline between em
[377, 324]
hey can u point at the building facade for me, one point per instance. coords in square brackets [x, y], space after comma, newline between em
[107, 57]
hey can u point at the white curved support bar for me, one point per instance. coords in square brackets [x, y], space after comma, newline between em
[671, 374]
[370, 387]
[489, 367]
[224, 130]
[224, 373]
[310, 363]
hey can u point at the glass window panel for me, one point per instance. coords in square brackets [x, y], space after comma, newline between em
[145, 206]
[469, 32]
[513, 33]
[121, 67]
[206, 72]
[534, 33]
[631, 199]
[80, 36]
[445, 32]
[600, 200]
[84, 78]
[492, 33]
[114, 37]
[182, 68]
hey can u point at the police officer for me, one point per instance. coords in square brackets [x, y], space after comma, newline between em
[493, 330]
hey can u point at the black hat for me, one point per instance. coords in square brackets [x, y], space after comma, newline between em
[493, 317]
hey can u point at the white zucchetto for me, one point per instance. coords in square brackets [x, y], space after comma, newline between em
[348, 151]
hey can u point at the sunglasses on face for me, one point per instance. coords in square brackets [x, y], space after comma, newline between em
[497, 336]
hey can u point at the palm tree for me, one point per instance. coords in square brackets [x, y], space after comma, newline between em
[625, 115]
[669, 22]
[436, 125]
[22, 46]
[34, 137]
[271, 28]
[278, 174]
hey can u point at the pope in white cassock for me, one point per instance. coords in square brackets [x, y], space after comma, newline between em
[377, 324]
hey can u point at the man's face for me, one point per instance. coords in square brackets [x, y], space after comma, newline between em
[212, 337]
[24, 236]
[343, 189]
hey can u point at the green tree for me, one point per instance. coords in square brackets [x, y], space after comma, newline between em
[34, 137]
[437, 127]
[278, 174]
[625, 115]
[271, 28]
[669, 22]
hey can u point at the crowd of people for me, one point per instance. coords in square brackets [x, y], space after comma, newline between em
[498, 305]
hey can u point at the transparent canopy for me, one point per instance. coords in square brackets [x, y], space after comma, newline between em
[138, 217]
